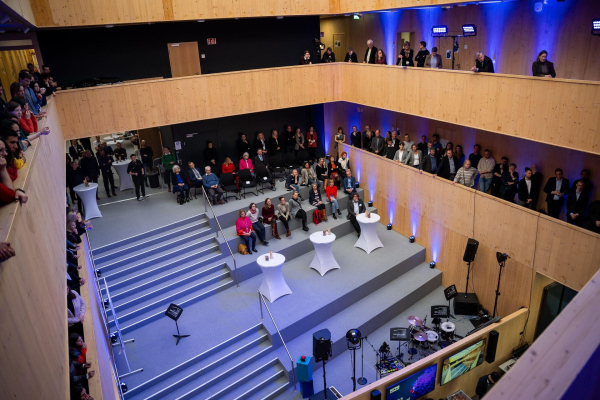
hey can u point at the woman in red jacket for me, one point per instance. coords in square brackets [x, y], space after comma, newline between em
[229, 167]
[243, 226]
[268, 215]
[311, 137]
[332, 191]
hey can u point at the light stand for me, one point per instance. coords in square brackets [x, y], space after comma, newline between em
[324, 383]
[354, 339]
[178, 336]
[501, 262]
[362, 380]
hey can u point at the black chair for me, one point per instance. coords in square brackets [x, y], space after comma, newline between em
[291, 163]
[264, 177]
[277, 166]
[247, 181]
[228, 185]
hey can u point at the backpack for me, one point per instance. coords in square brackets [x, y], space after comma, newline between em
[243, 249]
[317, 217]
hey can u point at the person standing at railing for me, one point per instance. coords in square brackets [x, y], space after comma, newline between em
[433, 60]
[328, 56]
[510, 180]
[243, 227]
[351, 56]
[577, 202]
[542, 67]
[422, 54]
[556, 189]
[305, 59]
[483, 63]
[405, 58]
[370, 53]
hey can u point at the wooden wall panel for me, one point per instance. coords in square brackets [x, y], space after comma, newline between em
[508, 328]
[11, 63]
[511, 33]
[23, 8]
[32, 285]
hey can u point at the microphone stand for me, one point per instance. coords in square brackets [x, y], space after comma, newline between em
[376, 354]
[498, 287]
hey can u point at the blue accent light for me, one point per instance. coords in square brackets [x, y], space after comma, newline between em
[411, 239]
[432, 264]
[389, 227]
[389, 22]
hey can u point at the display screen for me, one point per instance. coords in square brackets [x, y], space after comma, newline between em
[462, 362]
[413, 387]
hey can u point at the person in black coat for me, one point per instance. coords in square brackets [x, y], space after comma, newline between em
[211, 157]
[105, 163]
[242, 145]
[146, 155]
[448, 166]
[90, 167]
[592, 222]
[370, 57]
[275, 144]
[421, 56]
[355, 206]
[510, 183]
[328, 56]
[525, 190]
[556, 189]
[194, 174]
[75, 150]
[351, 56]
[542, 67]
[405, 58]
[429, 160]
[75, 177]
[577, 202]
[356, 138]
[120, 152]
[261, 143]
[483, 64]
[485, 383]
[390, 149]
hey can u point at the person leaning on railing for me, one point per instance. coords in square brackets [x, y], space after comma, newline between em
[8, 194]
[542, 67]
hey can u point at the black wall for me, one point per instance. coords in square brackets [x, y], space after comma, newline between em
[223, 132]
[140, 51]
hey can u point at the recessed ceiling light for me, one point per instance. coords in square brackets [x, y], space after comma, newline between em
[200, 20]
[108, 26]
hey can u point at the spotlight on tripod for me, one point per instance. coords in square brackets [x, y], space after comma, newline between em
[501, 257]
[354, 340]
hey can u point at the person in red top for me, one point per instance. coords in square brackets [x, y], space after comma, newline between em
[332, 191]
[228, 167]
[311, 138]
[243, 226]
[7, 191]
[78, 349]
[268, 215]
[246, 163]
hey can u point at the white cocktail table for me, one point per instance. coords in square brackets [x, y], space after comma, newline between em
[324, 260]
[88, 197]
[273, 285]
[368, 240]
[124, 178]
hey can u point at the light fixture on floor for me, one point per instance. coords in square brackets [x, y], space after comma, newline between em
[98, 273]
[106, 304]
[113, 338]
[432, 264]
[389, 227]
[354, 341]
[370, 204]
[411, 239]
[356, 185]
[124, 387]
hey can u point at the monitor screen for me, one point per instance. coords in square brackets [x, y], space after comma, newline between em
[463, 361]
[413, 387]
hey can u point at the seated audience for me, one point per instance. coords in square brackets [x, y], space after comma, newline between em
[415, 158]
[77, 348]
[377, 143]
[268, 215]
[261, 159]
[499, 170]
[349, 183]
[257, 224]
[246, 163]
[211, 157]
[8, 194]
[351, 56]
[321, 171]
[284, 214]
[243, 227]
[331, 192]
[556, 189]
[355, 206]
[510, 180]
[524, 191]
[105, 163]
[135, 168]
[466, 175]
[483, 63]
[431, 162]
[343, 163]
[211, 184]
[433, 60]
[30, 97]
[485, 383]
[194, 175]
[577, 202]
[179, 184]
[308, 176]
[542, 67]
[448, 166]
[168, 160]
[297, 211]
[228, 166]
[486, 170]
[293, 181]
[592, 222]
[333, 172]
[40, 93]
[315, 199]
[328, 56]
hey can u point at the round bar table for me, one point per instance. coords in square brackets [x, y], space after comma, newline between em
[324, 260]
[88, 197]
[273, 285]
[368, 240]
[124, 178]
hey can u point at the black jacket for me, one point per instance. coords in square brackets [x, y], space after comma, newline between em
[551, 186]
[361, 207]
[371, 59]
[259, 145]
[420, 57]
[486, 66]
[523, 194]
[75, 152]
[90, 167]
[356, 139]
[577, 206]
[352, 57]
[366, 141]
[75, 177]
[536, 69]
[211, 154]
[407, 59]
[274, 144]
[444, 167]
[389, 152]
[482, 386]
[241, 148]
[105, 163]
[510, 190]
[427, 164]
[265, 161]
[593, 216]
[192, 176]
[313, 198]
[328, 58]
[146, 155]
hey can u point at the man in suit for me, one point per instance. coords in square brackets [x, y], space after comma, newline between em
[378, 143]
[120, 152]
[261, 160]
[448, 166]
[275, 144]
[90, 168]
[485, 383]
[349, 183]
[194, 174]
[364, 134]
[135, 168]
[355, 206]
[105, 163]
[525, 190]
[556, 189]
[587, 183]
[433, 60]
[371, 53]
[351, 56]
[483, 63]
[592, 222]
[431, 162]
[577, 202]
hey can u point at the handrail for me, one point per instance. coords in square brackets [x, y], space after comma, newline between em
[206, 200]
[261, 297]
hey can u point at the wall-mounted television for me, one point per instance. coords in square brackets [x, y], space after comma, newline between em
[411, 388]
[462, 362]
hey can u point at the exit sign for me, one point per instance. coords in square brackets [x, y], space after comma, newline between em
[210, 41]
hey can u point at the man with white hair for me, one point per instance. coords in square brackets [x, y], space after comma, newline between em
[211, 184]
[483, 63]
[371, 53]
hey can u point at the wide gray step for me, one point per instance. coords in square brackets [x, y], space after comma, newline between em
[176, 228]
[152, 257]
[157, 246]
[179, 255]
[207, 368]
[161, 272]
[276, 389]
[151, 312]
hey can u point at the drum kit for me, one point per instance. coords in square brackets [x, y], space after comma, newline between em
[428, 340]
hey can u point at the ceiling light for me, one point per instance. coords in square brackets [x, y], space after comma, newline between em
[200, 20]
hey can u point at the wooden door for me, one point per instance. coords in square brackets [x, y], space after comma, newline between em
[339, 46]
[184, 59]
[153, 139]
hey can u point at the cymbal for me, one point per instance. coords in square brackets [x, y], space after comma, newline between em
[420, 336]
[415, 320]
[448, 327]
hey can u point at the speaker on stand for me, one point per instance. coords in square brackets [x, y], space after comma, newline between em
[321, 352]
[467, 303]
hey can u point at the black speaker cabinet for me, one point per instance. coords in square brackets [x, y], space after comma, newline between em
[466, 305]
[470, 250]
[491, 347]
[322, 345]
[375, 395]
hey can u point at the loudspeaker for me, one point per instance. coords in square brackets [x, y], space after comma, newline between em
[470, 250]
[375, 395]
[466, 305]
[492, 345]
[322, 345]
